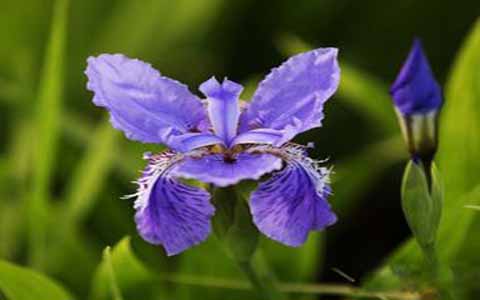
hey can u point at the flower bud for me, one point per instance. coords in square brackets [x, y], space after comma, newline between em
[418, 99]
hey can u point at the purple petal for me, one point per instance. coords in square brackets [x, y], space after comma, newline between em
[294, 93]
[172, 214]
[291, 204]
[190, 141]
[415, 91]
[223, 172]
[258, 136]
[145, 105]
[223, 106]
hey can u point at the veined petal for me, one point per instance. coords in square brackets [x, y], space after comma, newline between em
[294, 93]
[170, 213]
[146, 106]
[292, 203]
[223, 106]
[215, 169]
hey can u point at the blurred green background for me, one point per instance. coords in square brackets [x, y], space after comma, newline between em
[63, 169]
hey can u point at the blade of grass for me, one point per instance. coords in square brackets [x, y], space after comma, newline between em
[82, 190]
[48, 127]
[115, 290]
[477, 207]
[89, 176]
[19, 283]
[459, 150]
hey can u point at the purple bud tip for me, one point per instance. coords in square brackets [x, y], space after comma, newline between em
[415, 91]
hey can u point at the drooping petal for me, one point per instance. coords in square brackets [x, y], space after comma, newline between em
[292, 203]
[223, 106]
[223, 172]
[294, 93]
[415, 91]
[146, 106]
[170, 213]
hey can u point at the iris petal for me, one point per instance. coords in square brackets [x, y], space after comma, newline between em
[291, 204]
[258, 136]
[217, 170]
[223, 107]
[293, 94]
[190, 141]
[170, 213]
[146, 106]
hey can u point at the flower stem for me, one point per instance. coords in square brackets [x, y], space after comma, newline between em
[261, 283]
[287, 287]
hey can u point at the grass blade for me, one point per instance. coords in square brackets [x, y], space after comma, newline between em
[459, 154]
[47, 134]
[18, 283]
[88, 178]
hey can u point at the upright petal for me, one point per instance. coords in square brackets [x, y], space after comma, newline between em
[223, 106]
[415, 91]
[170, 213]
[143, 104]
[293, 94]
[222, 171]
[292, 203]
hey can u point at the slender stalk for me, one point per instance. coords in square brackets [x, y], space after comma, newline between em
[262, 284]
[288, 287]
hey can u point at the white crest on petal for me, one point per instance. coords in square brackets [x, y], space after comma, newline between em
[158, 164]
[294, 154]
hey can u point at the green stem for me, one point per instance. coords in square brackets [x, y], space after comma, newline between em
[262, 284]
[287, 287]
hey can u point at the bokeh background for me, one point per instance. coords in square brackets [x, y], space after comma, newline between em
[63, 169]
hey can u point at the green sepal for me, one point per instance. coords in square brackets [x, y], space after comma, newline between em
[422, 198]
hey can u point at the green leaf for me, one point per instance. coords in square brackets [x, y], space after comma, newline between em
[91, 173]
[115, 291]
[422, 205]
[477, 207]
[48, 128]
[459, 150]
[122, 275]
[19, 283]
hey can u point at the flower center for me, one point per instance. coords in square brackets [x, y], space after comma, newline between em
[229, 154]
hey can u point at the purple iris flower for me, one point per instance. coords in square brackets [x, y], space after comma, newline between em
[415, 91]
[221, 140]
